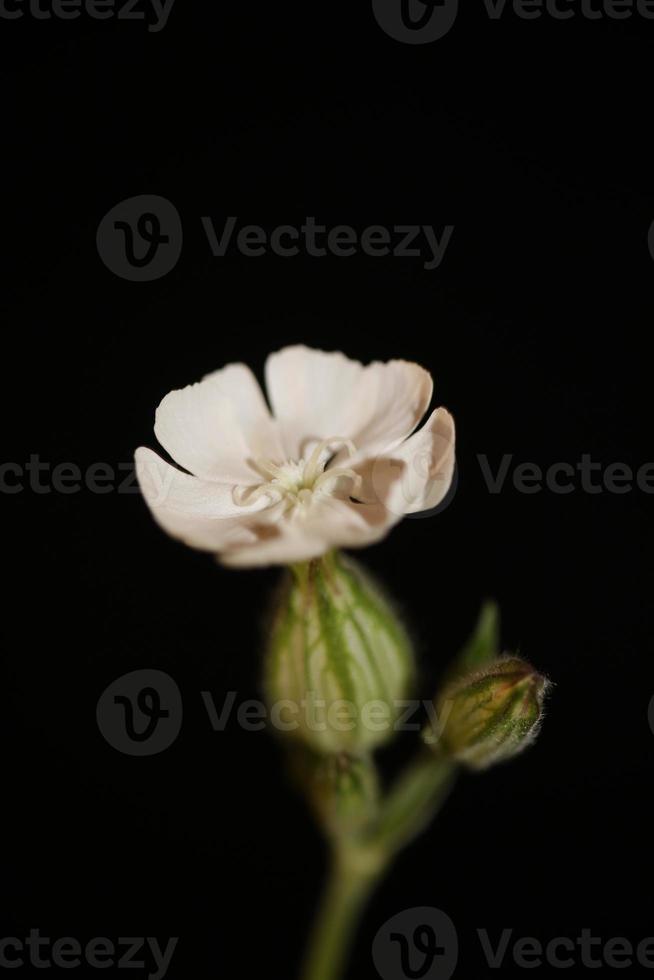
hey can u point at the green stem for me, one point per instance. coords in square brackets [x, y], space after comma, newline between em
[350, 884]
[361, 859]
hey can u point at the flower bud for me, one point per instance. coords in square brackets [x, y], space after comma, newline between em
[338, 660]
[491, 714]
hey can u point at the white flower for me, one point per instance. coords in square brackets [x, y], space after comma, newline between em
[334, 465]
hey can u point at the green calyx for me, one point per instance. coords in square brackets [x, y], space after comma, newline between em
[492, 713]
[338, 659]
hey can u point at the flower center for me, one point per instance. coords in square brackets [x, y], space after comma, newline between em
[298, 484]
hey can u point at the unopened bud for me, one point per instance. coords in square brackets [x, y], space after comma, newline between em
[491, 714]
[339, 661]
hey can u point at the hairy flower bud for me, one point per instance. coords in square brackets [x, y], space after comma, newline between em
[338, 660]
[491, 714]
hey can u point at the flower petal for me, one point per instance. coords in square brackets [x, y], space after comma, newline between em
[280, 544]
[396, 395]
[417, 474]
[330, 523]
[213, 428]
[346, 524]
[317, 395]
[201, 513]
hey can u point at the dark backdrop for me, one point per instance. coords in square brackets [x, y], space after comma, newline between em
[532, 138]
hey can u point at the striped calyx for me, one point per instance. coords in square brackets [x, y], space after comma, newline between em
[491, 714]
[338, 660]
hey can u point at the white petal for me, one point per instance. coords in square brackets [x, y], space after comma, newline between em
[330, 523]
[213, 428]
[393, 399]
[281, 544]
[317, 395]
[344, 524]
[203, 514]
[417, 474]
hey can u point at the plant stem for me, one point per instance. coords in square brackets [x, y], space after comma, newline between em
[360, 860]
[350, 883]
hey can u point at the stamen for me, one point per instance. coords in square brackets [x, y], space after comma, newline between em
[336, 474]
[267, 468]
[294, 484]
[311, 469]
[244, 496]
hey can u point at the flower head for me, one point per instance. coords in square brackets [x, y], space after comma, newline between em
[336, 463]
[494, 713]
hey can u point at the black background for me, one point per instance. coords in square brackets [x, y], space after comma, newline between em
[534, 140]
